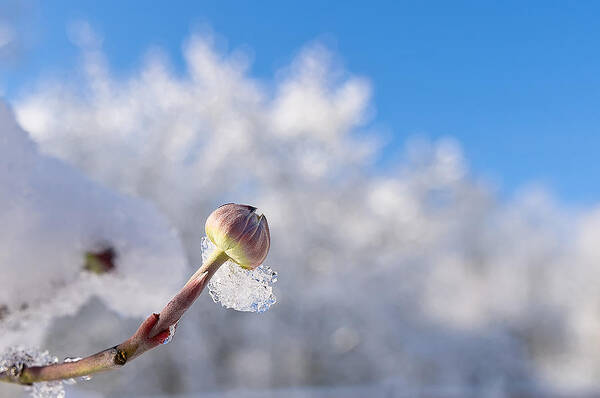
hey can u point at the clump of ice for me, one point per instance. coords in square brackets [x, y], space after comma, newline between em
[239, 288]
[19, 357]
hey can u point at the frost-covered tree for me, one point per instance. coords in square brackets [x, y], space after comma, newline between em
[418, 276]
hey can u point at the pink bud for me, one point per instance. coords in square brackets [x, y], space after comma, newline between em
[241, 233]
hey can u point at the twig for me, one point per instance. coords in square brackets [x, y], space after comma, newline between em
[151, 333]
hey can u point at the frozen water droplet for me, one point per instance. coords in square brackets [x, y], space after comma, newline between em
[73, 381]
[172, 329]
[207, 247]
[238, 288]
[16, 358]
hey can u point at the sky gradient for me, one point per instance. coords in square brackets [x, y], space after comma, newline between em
[516, 85]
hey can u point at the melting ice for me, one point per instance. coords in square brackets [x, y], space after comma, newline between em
[238, 288]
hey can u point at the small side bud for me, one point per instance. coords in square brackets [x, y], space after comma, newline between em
[241, 233]
[100, 262]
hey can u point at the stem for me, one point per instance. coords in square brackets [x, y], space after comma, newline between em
[151, 333]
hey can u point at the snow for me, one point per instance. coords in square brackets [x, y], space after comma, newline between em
[17, 357]
[51, 215]
[422, 272]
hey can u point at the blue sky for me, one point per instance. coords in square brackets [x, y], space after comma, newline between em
[515, 83]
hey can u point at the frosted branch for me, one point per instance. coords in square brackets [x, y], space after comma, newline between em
[155, 330]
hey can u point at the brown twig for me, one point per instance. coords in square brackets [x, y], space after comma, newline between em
[151, 333]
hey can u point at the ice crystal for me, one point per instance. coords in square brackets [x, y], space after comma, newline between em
[15, 359]
[67, 360]
[238, 288]
[172, 329]
[72, 381]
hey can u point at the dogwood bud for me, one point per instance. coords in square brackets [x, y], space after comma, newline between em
[241, 233]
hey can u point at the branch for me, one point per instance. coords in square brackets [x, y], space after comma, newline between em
[151, 333]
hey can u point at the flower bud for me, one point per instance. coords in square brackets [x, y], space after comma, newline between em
[241, 233]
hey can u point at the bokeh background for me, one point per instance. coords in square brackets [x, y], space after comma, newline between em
[429, 173]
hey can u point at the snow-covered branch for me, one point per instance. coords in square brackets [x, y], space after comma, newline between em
[152, 332]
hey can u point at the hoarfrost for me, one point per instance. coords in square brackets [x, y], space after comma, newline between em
[238, 288]
[82, 378]
[172, 330]
[19, 357]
